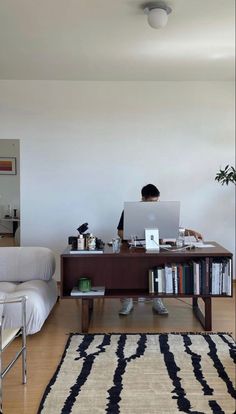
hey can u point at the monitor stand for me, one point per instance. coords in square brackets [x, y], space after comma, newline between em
[152, 240]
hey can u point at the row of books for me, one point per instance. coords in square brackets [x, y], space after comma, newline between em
[199, 277]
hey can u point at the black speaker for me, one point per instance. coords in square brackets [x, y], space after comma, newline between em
[81, 229]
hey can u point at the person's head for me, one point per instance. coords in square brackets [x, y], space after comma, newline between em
[150, 193]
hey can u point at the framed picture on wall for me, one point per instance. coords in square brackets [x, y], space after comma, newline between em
[7, 165]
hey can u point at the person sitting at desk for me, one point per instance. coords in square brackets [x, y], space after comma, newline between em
[148, 193]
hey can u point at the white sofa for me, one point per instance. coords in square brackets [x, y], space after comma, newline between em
[28, 271]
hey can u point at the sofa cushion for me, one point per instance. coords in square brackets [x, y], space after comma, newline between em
[19, 264]
[41, 297]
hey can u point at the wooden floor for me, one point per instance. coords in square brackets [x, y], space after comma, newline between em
[45, 348]
[7, 240]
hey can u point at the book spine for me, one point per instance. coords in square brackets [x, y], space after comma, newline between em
[224, 279]
[180, 271]
[229, 272]
[213, 279]
[168, 278]
[207, 276]
[196, 278]
[173, 278]
[188, 279]
[151, 280]
[221, 279]
[191, 278]
[175, 281]
[216, 278]
[202, 277]
[163, 280]
[160, 278]
[156, 280]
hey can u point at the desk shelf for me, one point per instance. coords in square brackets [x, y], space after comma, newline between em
[126, 275]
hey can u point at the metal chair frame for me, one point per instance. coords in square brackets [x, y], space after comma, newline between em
[19, 331]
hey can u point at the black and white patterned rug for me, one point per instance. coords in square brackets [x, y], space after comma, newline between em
[144, 373]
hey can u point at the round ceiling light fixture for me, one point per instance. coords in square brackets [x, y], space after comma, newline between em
[157, 14]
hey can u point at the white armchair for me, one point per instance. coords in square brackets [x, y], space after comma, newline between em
[8, 335]
[28, 271]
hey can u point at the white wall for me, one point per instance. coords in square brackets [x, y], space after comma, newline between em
[9, 184]
[88, 146]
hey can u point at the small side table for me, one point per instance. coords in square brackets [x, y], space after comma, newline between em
[15, 222]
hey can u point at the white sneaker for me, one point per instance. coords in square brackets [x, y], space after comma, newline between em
[127, 306]
[159, 307]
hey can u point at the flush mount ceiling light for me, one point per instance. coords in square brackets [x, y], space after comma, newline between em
[157, 14]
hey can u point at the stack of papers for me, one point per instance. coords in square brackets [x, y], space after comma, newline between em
[199, 244]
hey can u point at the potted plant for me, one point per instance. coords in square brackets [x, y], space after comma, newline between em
[226, 176]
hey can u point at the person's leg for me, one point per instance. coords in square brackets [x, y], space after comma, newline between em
[126, 306]
[159, 307]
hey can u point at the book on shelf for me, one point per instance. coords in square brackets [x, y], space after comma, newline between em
[168, 279]
[175, 279]
[95, 291]
[196, 278]
[207, 275]
[151, 280]
[187, 279]
[180, 278]
[97, 251]
[159, 273]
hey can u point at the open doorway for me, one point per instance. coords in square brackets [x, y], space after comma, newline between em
[9, 192]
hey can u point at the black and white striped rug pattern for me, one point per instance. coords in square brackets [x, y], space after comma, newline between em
[144, 373]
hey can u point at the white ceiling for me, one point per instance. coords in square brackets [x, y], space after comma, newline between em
[111, 40]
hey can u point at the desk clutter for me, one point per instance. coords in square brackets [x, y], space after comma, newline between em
[85, 242]
[198, 277]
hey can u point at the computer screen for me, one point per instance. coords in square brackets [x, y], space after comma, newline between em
[141, 215]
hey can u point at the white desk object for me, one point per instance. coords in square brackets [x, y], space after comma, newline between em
[152, 239]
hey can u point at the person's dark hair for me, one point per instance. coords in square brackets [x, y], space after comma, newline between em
[150, 190]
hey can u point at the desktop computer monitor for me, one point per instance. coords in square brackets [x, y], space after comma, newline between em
[163, 215]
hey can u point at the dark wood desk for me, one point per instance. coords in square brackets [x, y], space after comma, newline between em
[125, 274]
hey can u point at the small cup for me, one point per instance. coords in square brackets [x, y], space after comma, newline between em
[133, 241]
[180, 240]
[84, 284]
[116, 245]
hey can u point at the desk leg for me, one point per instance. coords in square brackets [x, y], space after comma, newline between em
[205, 320]
[195, 302]
[208, 314]
[87, 306]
